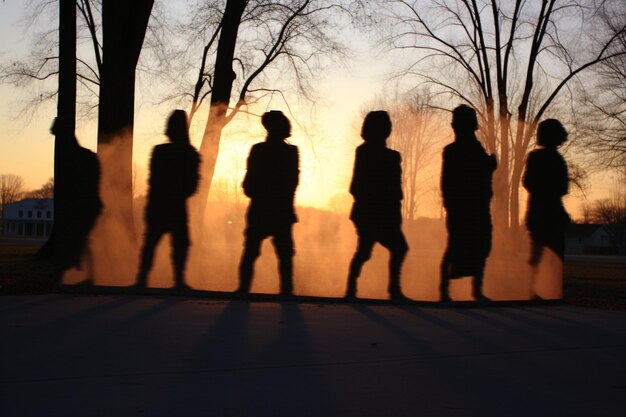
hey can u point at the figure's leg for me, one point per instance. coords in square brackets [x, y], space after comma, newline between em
[398, 249]
[477, 289]
[445, 278]
[251, 251]
[362, 254]
[536, 253]
[151, 240]
[180, 249]
[284, 247]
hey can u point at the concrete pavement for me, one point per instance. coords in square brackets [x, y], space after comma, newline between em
[123, 355]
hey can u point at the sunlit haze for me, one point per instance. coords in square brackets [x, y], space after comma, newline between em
[326, 129]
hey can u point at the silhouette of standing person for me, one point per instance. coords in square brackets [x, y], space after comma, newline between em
[466, 185]
[376, 213]
[173, 179]
[78, 204]
[270, 182]
[546, 180]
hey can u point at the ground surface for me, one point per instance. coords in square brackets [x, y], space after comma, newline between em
[68, 355]
[148, 355]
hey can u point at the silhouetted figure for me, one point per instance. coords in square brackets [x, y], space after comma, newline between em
[173, 179]
[546, 180]
[270, 182]
[466, 187]
[377, 190]
[78, 204]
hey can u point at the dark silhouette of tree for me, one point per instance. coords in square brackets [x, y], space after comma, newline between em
[609, 210]
[76, 169]
[252, 39]
[123, 29]
[612, 213]
[221, 91]
[602, 121]
[40, 66]
[64, 128]
[511, 61]
[45, 191]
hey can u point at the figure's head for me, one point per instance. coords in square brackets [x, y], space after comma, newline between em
[54, 129]
[177, 129]
[376, 126]
[551, 133]
[276, 124]
[464, 120]
[59, 128]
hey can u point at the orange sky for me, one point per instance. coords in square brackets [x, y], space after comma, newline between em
[326, 147]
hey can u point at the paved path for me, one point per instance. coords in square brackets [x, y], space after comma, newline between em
[121, 355]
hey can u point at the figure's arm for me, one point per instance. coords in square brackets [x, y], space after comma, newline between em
[446, 179]
[397, 177]
[296, 171]
[192, 176]
[248, 180]
[356, 185]
[564, 179]
[529, 178]
[154, 164]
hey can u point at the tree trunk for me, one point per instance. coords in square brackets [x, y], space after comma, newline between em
[220, 98]
[124, 26]
[66, 119]
[516, 178]
[503, 221]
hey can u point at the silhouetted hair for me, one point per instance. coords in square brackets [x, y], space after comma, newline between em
[276, 124]
[177, 129]
[551, 133]
[464, 119]
[376, 126]
[56, 126]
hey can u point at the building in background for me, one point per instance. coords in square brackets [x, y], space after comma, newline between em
[601, 239]
[31, 217]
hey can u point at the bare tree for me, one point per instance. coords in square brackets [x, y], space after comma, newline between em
[11, 189]
[416, 129]
[603, 119]
[39, 67]
[45, 191]
[609, 210]
[123, 30]
[256, 45]
[510, 60]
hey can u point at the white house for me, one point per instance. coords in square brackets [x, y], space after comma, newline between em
[32, 217]
[594, 238]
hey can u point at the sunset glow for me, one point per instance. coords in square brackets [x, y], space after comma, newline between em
[325, 98]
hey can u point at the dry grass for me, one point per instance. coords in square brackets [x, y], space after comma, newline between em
[599, 285]
[21, 272]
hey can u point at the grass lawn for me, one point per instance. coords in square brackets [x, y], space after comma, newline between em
[20, 272]
[585, 283]
[600, 285]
